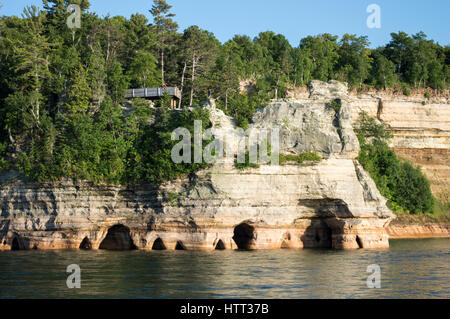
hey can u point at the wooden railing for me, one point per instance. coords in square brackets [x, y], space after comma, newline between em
[153, 92]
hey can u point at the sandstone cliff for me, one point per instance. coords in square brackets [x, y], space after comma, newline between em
[333, 203]
[420, 125]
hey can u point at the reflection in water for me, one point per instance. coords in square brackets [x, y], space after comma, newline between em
[410, 269]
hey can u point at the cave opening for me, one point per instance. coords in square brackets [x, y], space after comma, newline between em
[86, 244]
[220, 245]
[15, 244]
[180, 246]
[323, 236]
[318, 235]
[158, 244]
[244, 236]
[118, 238]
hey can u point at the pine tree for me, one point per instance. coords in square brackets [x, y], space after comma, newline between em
[80, 93]
[322, 50]
[32, 56]
[117, 82]
[164, 26]
[96, 75]
[354, 59]
[201, 47]
[142, 71]
[383, 71]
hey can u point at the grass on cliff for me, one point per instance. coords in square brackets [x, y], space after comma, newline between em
[283, 158]
[300, 159]
[402, 183]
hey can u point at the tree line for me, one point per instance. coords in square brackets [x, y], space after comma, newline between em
[57, 83]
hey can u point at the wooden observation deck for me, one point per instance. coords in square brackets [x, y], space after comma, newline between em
[155, 94]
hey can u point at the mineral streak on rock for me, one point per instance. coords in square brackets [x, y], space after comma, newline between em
[331, 204]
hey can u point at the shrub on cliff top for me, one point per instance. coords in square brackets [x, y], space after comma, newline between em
[403, 184]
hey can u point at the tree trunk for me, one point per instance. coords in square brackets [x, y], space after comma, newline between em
[192, 80]
[108, 47]
[182, 84]
[226, 100]
[162, 66]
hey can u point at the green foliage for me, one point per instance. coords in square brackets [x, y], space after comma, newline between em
[247, 163]
[441, 208]
[406, 91]
[403, 184]
[242, 107]
[322, 51]
[368, 128]
[60, 89]
[143, 72]
[155, 145]
[4, 163]
[383, 71]
[80, 94]
[300, 159]
[354, 60]
[336, 105]
[117, 82]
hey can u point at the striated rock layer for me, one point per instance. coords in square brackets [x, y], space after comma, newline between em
[420, 125]
[333, 203]
[421, 130]
[418, 231]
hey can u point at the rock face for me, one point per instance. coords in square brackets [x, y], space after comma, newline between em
[418, 231]
[307, 126]
[421, 130]
[332, 203]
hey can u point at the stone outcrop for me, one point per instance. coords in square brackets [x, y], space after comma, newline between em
[332, 203]
[308, 126]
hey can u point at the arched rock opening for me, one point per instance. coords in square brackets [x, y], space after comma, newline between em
[158, 244]
[118, 238]
[86, 244]
[180, 246]
[318, 235]
[220, 245]
[15, 245]
[244, 236]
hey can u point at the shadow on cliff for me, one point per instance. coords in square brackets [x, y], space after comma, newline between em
[326, 223]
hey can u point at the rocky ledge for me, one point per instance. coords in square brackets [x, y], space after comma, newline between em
[330, 204]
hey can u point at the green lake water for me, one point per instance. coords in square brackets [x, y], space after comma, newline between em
[409, 269]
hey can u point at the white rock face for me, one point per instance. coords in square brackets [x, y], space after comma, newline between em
[331, 90]
[333, 203]
[308, 126]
